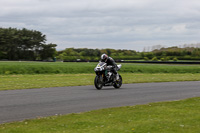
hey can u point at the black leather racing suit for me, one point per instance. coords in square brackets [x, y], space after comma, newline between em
[111, 62]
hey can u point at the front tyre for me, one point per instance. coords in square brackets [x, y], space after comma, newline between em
[118, 83]
[98, 82]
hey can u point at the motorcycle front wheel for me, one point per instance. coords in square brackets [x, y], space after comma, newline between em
[118, 83]
[98, 82]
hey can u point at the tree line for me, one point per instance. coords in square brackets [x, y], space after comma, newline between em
[173, 53]
[24, 44]
[162, 54]
[72, 54]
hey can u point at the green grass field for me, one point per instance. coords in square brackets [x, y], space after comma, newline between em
[163, 117]
[26, 75]
[12, 82]
[10, 68]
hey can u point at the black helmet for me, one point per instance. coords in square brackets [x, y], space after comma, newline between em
[104, 57]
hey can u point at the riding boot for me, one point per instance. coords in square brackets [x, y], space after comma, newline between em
[117, 76]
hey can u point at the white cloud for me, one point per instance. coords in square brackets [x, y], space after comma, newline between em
[121, 24]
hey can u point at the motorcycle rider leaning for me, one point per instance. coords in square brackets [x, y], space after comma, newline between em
[110, 61]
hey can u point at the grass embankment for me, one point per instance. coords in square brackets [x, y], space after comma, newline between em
[25, 75]
[164, 117]
[10, 68]
[11, 82]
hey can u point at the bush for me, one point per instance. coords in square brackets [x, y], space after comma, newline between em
[154, 59]
[167, 58]
[146, 58]
[162, 59]
[175, 59]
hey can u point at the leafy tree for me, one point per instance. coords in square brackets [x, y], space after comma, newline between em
[23, 44]
[48, 51]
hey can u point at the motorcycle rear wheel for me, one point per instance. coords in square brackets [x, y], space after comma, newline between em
[118, 83]
[98, 82]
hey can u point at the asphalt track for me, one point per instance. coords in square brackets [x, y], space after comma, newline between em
[17, 105]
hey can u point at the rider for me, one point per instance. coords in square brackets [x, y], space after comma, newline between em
[110, 61]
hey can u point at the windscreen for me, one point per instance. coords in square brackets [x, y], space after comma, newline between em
[101, 63]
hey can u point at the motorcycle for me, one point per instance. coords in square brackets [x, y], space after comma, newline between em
[106, 77]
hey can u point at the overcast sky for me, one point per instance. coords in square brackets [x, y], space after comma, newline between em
[118, 24]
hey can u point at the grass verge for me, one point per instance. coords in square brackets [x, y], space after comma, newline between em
[11, 82]
[11, 68]
[163, 117]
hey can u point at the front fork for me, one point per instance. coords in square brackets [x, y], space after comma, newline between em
[102, 77]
